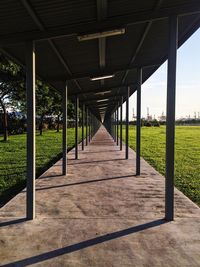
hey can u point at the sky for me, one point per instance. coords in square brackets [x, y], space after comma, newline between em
[187, 84]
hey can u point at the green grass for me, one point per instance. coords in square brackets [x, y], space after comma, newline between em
[187, 155]
[13, 158]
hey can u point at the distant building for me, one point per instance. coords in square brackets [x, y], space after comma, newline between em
[162, 117]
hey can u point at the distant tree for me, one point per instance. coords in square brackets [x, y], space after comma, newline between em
[57, 107]
[44, 101]
[11, 89]
[70, 110]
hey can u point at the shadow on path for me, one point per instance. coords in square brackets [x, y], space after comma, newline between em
[85, 182]
[84, 244]
[16, 221]
[93, 161]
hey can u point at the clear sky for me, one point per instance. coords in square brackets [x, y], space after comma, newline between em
[188, 84]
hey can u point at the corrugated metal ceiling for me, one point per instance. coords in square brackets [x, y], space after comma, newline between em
[81, 58]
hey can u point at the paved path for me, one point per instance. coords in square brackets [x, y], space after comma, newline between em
[100, 215]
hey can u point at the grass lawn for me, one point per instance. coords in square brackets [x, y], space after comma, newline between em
[187, 155]
[13, 158]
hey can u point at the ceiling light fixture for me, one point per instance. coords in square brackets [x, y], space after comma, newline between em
[102, 77]
[102, 93]
[96, 35]
[102, 100]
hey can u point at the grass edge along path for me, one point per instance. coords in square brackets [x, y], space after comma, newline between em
[13, 159]
[187, 155]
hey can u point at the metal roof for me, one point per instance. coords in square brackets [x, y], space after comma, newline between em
[55, 24]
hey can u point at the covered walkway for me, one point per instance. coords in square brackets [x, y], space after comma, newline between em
[100, 214]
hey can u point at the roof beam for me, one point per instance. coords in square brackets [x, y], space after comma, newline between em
[193, 7]
[40, 25]
[102, 89]
[101, 15]
[136, 52]
[101, 99]
[105, 72]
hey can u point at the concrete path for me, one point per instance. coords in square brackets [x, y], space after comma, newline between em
[100, 215]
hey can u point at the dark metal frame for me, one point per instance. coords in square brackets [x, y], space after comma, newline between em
[64, 132]
[76, 125]
[30, 95]
[170, 127]
[127, 122]
[138, 126]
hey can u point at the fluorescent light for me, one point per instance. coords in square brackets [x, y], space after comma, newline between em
[91, 36]
[104, 92]
[102, 77]
[102, 100]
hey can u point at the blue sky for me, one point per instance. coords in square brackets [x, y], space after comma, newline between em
[188, 84]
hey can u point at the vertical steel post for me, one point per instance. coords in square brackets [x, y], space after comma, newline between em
[30, 95]
[127, 121]
[64, 133]
[170, 126]
[89, 125]
[86, 121]
[83, 124]
[117, 124]
[138, 123]
[121, 122]
[93, 126]
[76, 126]
[113, 126]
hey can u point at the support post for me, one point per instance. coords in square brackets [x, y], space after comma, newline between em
[127, 121]
[30, 95]
[170, 126]
[89, 126]
[76, 126]
[138, 124]
[83, 124]
[117, 124]
[121, 122]
[64, 133]
[86, 126]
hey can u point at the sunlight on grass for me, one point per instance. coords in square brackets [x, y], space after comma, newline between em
[13, 156]
[187, 155]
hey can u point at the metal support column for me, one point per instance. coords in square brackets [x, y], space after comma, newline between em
[83, 125]
[117, 124]
[30, 95]
[170, 126]
[127, 121]
[138, 124]
[113, 126]
[64, 133]
[76, 126]
[86, 122]
[121, 122]
[89, 126]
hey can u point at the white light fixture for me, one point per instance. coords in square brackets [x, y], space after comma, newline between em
[102, 100]
[102, 93]
[96, 35]
[102, 77]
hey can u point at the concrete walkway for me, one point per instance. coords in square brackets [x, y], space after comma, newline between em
[100, 215]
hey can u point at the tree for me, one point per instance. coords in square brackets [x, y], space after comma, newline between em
[70, 110]
[44, 102]
[11, 89]
[57, 107]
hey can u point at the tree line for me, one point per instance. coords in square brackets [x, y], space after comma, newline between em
[13, 98]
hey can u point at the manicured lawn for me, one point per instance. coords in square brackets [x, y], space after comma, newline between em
[187, 155]
[13, 158]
